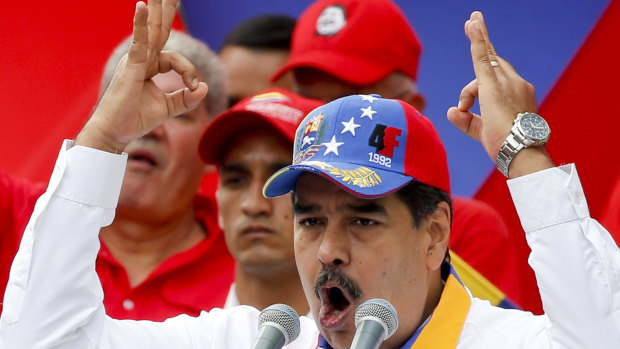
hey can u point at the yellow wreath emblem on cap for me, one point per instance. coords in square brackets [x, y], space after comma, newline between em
[362, 177]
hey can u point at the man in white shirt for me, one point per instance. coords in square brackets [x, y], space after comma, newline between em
[348, 249]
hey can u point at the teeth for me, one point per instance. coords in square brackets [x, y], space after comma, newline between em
[337, 312]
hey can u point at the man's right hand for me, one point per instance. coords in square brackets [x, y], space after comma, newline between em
[132, 104]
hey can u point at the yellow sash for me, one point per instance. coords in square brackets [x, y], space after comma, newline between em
[444, 327]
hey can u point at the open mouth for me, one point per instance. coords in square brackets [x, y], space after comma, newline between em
[144, 158]
[337, 293]
[337, 299]
[335, 305]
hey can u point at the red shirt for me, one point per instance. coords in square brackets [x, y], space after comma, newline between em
[610, 218]
[480, 236]
[186, 283]
[199, 278]
[17, 199]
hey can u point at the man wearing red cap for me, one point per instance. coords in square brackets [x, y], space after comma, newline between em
[343, 47]
[353, 46]
[248, 143]
[372, 219]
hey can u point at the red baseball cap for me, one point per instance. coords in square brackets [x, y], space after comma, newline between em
[358, 41]
[274, 108]
[367, 145]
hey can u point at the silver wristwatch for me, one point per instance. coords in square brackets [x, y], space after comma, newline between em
[528, 130]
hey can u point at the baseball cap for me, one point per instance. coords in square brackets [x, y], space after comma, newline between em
[358, 41]
[274, 108]
[368, 145]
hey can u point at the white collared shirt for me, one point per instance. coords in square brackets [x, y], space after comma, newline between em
[54, 297]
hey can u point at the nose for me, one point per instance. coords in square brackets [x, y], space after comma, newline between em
[335, 249]
[254, 203]
[158, 132]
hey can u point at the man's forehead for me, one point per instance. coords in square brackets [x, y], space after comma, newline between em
[309, 180]
[318, 84]
[314, 189]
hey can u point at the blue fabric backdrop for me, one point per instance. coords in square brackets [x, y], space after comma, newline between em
[538, 37]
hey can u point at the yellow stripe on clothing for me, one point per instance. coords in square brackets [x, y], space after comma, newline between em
[444, 327]
[479, 286]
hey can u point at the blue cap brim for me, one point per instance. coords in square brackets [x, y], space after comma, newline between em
[358, 180]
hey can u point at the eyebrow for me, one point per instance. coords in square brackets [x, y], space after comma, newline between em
[304, 209]
[228, 168]
[235, 167]
[363, 208]
[368, 207]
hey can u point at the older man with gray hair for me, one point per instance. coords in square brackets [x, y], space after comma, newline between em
[164, 255]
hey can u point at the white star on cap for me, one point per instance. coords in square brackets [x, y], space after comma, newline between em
[368, 98]
[332, 146]
[350, 126]
[307, 140]
[368, 112]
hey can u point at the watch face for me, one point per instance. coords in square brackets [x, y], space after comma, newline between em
[534, 127]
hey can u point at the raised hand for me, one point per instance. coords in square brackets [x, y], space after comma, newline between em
[501, 93]
[133, 105]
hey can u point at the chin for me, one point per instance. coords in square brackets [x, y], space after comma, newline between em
[340, 340]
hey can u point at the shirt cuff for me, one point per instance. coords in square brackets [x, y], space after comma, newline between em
[549, 197]
[91, 176]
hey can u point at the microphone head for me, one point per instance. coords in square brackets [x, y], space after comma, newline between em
[283, 317]
[379, 310]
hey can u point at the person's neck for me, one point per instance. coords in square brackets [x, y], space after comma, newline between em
[434, 295]
[409, 325]
[261, 290]
[140, 245]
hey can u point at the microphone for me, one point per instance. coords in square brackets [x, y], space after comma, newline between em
[376, 321]
[278, 325]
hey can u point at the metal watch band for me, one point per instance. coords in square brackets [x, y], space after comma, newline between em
[507, 152]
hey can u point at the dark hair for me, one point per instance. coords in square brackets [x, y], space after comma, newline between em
[270, 32]
[422, 200]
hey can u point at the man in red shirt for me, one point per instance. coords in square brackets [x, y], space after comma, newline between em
[164, 254]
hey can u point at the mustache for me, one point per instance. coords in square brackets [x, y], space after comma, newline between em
[341, 279]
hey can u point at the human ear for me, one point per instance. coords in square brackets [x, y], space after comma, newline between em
[438, 224]
[208, 169]
[416, 100]
[220, 218]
